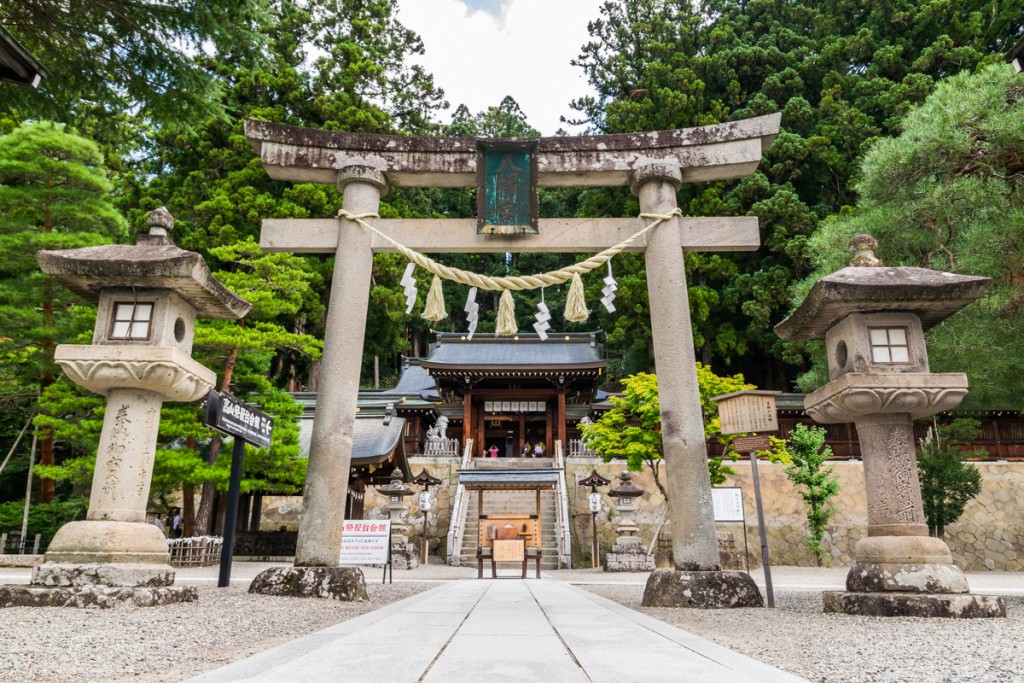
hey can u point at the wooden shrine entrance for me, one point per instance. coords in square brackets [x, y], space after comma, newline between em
[509, 537]
[514, 392]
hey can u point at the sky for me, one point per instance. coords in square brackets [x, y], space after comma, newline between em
[481, 50]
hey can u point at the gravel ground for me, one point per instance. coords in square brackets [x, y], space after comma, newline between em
[151, 645]
[828, 648]
[171, 643]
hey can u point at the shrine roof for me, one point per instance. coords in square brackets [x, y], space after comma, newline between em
[373, 442]
[17, 65]
[931, 294]
[539, 478]
[526, 352]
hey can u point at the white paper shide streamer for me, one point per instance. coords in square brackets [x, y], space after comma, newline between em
[472, 309]
[543, 316]
[409, 284]
[610, 285]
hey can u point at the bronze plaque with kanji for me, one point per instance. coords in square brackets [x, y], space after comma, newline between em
[506, 201]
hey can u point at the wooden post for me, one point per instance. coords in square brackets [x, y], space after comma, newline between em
[257, 511]
[561, 414]
[467, 419]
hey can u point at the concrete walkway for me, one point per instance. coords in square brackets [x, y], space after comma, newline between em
[501, 630]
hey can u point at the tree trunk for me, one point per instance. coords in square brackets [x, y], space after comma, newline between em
[188, 509]
[46, 440]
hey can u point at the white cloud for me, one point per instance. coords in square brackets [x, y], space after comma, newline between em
[478, 58]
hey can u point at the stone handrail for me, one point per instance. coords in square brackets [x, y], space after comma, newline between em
[578, 449]
[457, 526]
[441, 447]
[562, 511]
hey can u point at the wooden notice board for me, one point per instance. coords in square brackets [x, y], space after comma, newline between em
[509, 551]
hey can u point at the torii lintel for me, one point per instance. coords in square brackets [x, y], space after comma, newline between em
[718, 152]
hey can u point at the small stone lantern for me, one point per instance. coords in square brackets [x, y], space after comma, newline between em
[403, 553]
[149, 295]
[628, 554]
[873, 320]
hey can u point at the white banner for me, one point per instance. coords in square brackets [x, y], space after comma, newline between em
[365, 541]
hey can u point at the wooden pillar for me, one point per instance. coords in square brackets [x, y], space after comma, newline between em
[481, 429]
[467, 420]
[549, 435]
[561, 415]
[242, 523]
[257, 511]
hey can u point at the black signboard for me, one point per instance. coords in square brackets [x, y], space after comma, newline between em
[227, 414]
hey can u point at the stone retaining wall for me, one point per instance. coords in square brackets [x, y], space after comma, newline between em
[990, 535]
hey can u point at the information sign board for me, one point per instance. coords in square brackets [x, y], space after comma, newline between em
[227, 414]
[747, 411]
[727, 502]
[365, 541]
[751, 444]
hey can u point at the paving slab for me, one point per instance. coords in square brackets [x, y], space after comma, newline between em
[469, 631]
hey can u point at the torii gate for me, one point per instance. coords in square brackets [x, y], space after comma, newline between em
[653, 164]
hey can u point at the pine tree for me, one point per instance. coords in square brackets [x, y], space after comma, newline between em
[54, 194]
[946, 194]
[842, 73]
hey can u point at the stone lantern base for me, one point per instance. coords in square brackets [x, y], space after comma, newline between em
[908, 576]
[101, 564]
[701, 589]
[628, 555]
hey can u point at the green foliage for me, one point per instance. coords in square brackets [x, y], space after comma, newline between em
[816, 483]
[108, 57]
[43, 518]
[946, 194]
[947, 482]
[842, 74]
[632, 428]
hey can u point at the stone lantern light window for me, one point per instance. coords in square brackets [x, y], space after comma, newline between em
[131, 320]
[889, 345]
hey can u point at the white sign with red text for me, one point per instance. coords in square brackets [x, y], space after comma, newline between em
[365, 541]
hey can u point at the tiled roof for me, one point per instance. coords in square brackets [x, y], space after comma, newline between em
[523, 351]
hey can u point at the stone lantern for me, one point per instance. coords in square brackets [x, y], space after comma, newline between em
[148, 298]
[403, 553]
[873, 320]
[628, 554]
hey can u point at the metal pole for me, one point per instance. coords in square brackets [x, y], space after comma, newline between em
[231, 518]
[764, 537]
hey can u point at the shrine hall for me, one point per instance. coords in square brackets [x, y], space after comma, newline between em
[509, 395]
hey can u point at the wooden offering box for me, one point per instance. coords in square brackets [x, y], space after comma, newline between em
[523, 528]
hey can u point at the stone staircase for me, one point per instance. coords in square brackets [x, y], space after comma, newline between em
[511, 503]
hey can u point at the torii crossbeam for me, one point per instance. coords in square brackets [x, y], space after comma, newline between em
[653, 164]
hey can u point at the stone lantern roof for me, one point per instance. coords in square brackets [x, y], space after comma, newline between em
[627, 489]
[931, 294]
[152, 262]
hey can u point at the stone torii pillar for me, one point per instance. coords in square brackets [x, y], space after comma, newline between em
[654, 164]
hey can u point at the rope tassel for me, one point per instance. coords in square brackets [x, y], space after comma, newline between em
[434, 309]
[506, 324]
[575, 303]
